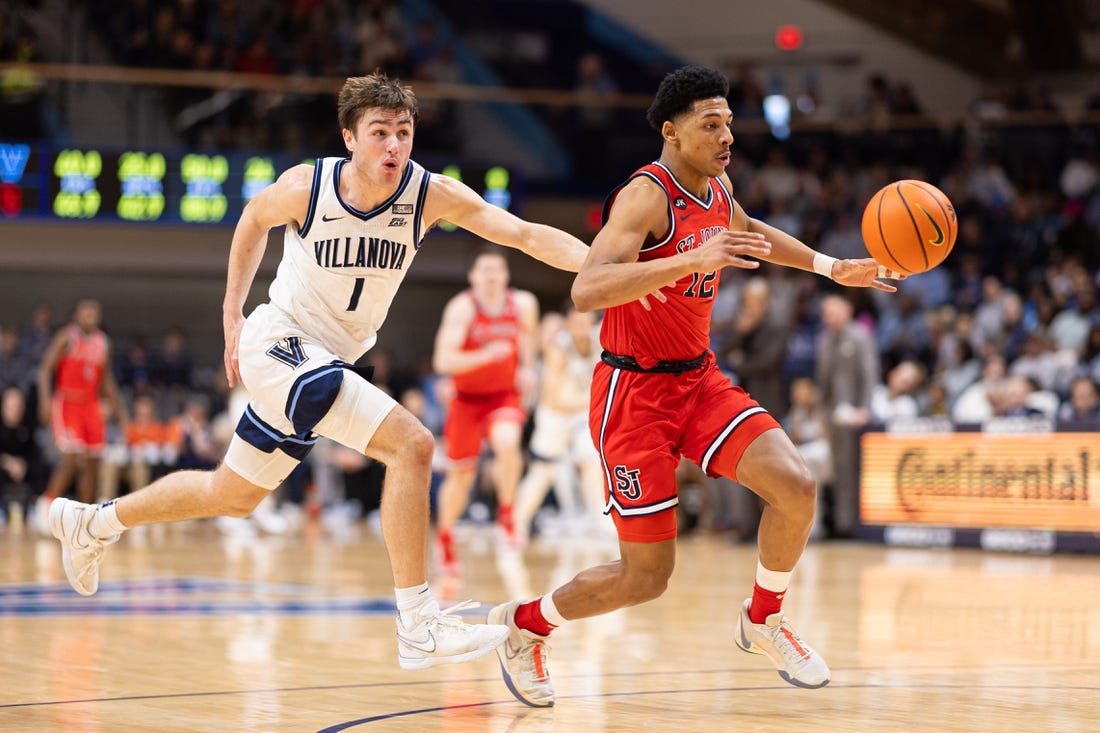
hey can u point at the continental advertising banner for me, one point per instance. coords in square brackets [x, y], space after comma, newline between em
[1045, 481]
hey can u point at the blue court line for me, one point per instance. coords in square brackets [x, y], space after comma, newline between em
[201, 608]
[606, 675]
[144, 585]
[443, 708]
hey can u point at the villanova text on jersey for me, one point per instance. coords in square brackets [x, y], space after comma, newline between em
[372, 252]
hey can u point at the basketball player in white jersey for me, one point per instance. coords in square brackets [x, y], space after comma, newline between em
[353, 228]
[561, 428]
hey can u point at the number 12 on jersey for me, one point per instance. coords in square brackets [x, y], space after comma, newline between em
[702, 285]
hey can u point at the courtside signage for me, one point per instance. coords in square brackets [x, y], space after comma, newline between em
[1048, 481]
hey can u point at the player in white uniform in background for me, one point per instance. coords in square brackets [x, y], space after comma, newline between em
[353, 227]
[561, 433]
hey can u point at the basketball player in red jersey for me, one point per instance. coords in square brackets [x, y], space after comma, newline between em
[658, 395]
[486, 343]
[78, 364]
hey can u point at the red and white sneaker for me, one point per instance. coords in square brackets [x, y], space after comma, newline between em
[524, 659]
[776, 638]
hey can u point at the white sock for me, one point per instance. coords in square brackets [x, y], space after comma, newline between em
[412, 599]
[550, 611]
[774, 580]
[105, 522]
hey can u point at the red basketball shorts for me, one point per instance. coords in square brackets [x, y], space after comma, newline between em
[77, 426]
[470, 418]
[643, 422]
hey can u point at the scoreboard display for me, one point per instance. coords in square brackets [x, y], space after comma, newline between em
[165, 186]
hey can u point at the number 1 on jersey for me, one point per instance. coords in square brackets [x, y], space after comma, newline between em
[356, 292]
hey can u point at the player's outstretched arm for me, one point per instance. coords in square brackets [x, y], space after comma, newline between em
[791, 252]
[286, 201]
[612, 275]
[454, 201]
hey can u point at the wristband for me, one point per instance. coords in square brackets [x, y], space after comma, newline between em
[823, 265]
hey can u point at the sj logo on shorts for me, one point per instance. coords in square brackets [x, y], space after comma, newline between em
[627, 482]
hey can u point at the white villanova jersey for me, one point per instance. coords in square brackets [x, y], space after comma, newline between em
[340, 271]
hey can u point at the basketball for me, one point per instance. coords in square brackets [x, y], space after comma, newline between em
[909, 226]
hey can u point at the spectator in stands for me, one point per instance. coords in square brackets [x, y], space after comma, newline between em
[20, 467]
[36, 335]
[148, 451]
[16, 369]
[975, 404]
[808, 425]
[193, 437]
[898, 398]
[1013, 399]
[847, 372]
[1083, 403]
[756, 346]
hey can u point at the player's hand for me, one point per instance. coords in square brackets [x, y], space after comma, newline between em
[497, 350]
[656, 295]
[232, 324]
[526, 380]
[729, 249]
[865, 273]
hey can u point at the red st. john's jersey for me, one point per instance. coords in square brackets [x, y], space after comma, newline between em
[80, 368]
[498, 376]
[678, 330]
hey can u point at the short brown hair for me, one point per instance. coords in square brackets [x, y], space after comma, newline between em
[377, 90]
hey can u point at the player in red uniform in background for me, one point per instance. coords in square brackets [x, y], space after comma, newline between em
[75, 369]
[486, 343]
[658, 395]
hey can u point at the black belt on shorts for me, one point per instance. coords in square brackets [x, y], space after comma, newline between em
[665, 367]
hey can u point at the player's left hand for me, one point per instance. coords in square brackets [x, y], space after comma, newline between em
[656, 295]
[865, 273]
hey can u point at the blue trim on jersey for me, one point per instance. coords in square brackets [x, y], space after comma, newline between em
[364, 215]
[419, 208]
[312, 396]
[264, 437]
[314, 194]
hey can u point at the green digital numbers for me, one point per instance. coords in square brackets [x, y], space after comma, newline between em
[77, 171]
[204, 176]
[141, 181]
[259, 173]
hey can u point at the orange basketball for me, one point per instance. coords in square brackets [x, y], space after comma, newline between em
[909, 226]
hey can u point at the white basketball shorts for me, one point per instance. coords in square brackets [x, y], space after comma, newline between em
[299, 390]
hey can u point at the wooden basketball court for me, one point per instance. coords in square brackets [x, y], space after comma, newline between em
[191, 631]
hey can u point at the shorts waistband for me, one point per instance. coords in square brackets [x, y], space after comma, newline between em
[662, 367]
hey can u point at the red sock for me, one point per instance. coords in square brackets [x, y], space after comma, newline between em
[446, 543]
[529, 616]
[764, 603]
[504, 517]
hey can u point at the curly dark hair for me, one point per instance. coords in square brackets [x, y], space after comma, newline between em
[680, 89]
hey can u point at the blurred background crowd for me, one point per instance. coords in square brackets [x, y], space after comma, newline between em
[1009, 326]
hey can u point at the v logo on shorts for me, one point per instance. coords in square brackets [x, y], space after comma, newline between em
[289, 351]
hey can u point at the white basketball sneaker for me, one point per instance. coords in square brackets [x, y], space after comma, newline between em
[524, 660]
[434, 637]
[81, 553]
[776, 638]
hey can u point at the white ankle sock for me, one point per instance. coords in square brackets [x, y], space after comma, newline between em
[410, 600]
[105, 522]
[774, 580]
[550, 611]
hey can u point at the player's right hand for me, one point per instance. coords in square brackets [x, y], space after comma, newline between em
[232, 324]
[729, 249]
[498, 350]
